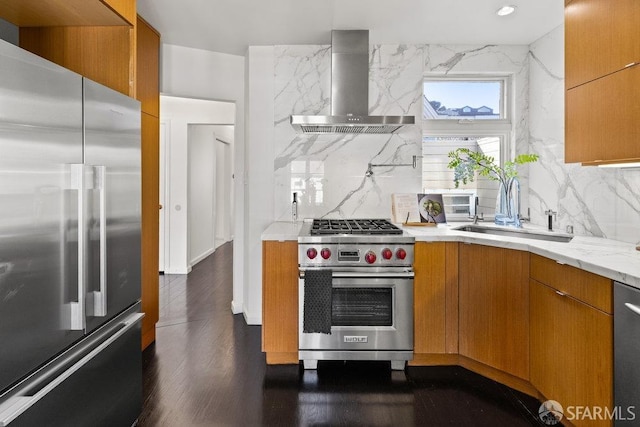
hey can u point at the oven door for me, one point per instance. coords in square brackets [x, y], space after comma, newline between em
[369, 312]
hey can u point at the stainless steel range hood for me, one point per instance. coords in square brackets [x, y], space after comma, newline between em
[349, 92]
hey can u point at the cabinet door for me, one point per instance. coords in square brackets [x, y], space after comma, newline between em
[150, 226]
[429, 298]
[571, 351]
[601, 37]
[494, 307]
[601, 119]
[280, 301]
[103, 54]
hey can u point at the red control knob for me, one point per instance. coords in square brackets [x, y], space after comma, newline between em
[325, 253]
[401, 254]
[386, 253]
[370, 257]
[312, 253]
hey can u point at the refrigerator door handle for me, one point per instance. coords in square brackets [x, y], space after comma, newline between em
[17, 405]
[76, 309]
[100, 296]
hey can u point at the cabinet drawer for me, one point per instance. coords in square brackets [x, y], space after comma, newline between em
[589, 288]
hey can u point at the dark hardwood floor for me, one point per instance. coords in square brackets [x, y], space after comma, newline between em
[206, 369]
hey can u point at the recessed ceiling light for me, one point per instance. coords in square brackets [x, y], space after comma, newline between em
[505, 10]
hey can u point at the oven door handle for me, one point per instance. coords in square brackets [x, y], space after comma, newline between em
[354, 275]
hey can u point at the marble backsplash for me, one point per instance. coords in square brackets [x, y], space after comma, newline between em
[595, 201]
[329, 171]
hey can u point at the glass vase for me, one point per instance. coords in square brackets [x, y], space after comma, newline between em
[507, 203]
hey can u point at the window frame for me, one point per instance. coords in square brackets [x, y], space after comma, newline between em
[501, 128]
[470, 126]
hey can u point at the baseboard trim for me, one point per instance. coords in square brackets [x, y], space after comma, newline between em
[522, 385]
[202, 256]
[422, 359]
[251, 320]
[236, 307]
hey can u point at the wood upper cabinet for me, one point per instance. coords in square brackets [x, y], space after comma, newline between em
[435, 299]
[601, 123]
[601, 37]
[602, 77]
[494, 307]
[123, 8]
[571, 329]
[102, 54]
[67, 13]
[147, 68]
[280, 301]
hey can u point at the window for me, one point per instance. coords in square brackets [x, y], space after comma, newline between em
[462, 111]
[438, 178]
[464, 99]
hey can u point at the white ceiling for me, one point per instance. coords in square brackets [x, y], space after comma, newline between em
[229, 26]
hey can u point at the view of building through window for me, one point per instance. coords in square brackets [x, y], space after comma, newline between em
[463, 99]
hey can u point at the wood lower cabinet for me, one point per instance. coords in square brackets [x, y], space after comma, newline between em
[571, 329]
[571, 351]
[435, 299]
[280, 301]
[494, 308]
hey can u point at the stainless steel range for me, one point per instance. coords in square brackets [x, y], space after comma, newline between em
[355, 291]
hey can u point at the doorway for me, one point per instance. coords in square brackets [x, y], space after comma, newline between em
[196, 180]
[209, 190]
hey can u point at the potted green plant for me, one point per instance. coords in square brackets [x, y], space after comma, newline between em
[465, 163]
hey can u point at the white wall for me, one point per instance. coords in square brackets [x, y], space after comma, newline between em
[176, 114]
[202, 74]
[259, 195]
[201, 200]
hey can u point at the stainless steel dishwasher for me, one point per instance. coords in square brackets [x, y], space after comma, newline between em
[626, 352]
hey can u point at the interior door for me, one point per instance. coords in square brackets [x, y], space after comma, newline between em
[40, 137]
[112, 157]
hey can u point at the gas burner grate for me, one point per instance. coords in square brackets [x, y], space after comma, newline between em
[353, 226]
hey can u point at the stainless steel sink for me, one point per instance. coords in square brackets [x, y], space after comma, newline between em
[517, 232]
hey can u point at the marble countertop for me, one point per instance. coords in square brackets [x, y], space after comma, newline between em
[609, 258]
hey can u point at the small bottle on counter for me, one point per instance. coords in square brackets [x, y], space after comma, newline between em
[294, 208]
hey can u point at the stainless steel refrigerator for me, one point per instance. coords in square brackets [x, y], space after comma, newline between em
[69, 248]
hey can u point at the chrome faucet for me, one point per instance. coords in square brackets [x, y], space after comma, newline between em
[477, 216]
[550, 214]
[516, 209]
